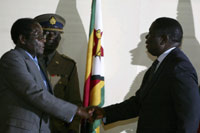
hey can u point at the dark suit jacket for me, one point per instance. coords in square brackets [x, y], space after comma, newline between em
[169, 103]
[24, 100]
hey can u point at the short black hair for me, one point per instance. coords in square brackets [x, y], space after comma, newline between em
[21, 26]
[170, 27]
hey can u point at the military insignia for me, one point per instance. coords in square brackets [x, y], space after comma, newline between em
[52, 20]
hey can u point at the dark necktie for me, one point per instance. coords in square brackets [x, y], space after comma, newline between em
[42, 74]
[152, 69]
[46, 59]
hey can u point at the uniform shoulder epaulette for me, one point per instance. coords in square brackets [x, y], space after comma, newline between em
[68, 58]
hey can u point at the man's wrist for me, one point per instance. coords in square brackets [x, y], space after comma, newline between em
[78, 112]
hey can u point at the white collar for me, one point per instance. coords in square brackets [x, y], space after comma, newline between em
[163, 55]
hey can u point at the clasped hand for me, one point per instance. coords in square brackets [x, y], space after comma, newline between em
[91, 113]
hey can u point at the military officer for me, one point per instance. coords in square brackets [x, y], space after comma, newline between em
[62, 70]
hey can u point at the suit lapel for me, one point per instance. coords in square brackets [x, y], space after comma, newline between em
[148, 85]
[46, 75]
[36, 73]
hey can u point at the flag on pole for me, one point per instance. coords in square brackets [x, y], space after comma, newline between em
[94, 76]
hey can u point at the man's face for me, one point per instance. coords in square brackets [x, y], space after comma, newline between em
[35, 40]
[52, 41]
[153, 41]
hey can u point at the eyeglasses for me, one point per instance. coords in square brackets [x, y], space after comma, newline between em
[51, 33]
[37, 35]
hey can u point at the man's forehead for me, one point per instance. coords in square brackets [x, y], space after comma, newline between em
[36, 28]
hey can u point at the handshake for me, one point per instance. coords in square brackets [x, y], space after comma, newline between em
[91, 113]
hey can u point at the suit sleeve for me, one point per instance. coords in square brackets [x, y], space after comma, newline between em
[185, 94]
[127, 109]
[122, 111]
[19, 77]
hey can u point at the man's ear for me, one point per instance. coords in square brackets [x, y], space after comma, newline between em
[22, 39]
[164, 39]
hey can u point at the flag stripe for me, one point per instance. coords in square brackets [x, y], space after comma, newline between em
[86, 92]
[96, 94]
[92, 21]
[89, 56]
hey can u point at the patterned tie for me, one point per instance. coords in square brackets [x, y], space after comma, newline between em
[152, 69]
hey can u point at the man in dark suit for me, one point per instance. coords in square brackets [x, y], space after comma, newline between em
[62, 70]
[168, 99]
[26, 98]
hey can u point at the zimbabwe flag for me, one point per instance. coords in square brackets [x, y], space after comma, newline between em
[94, 76]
